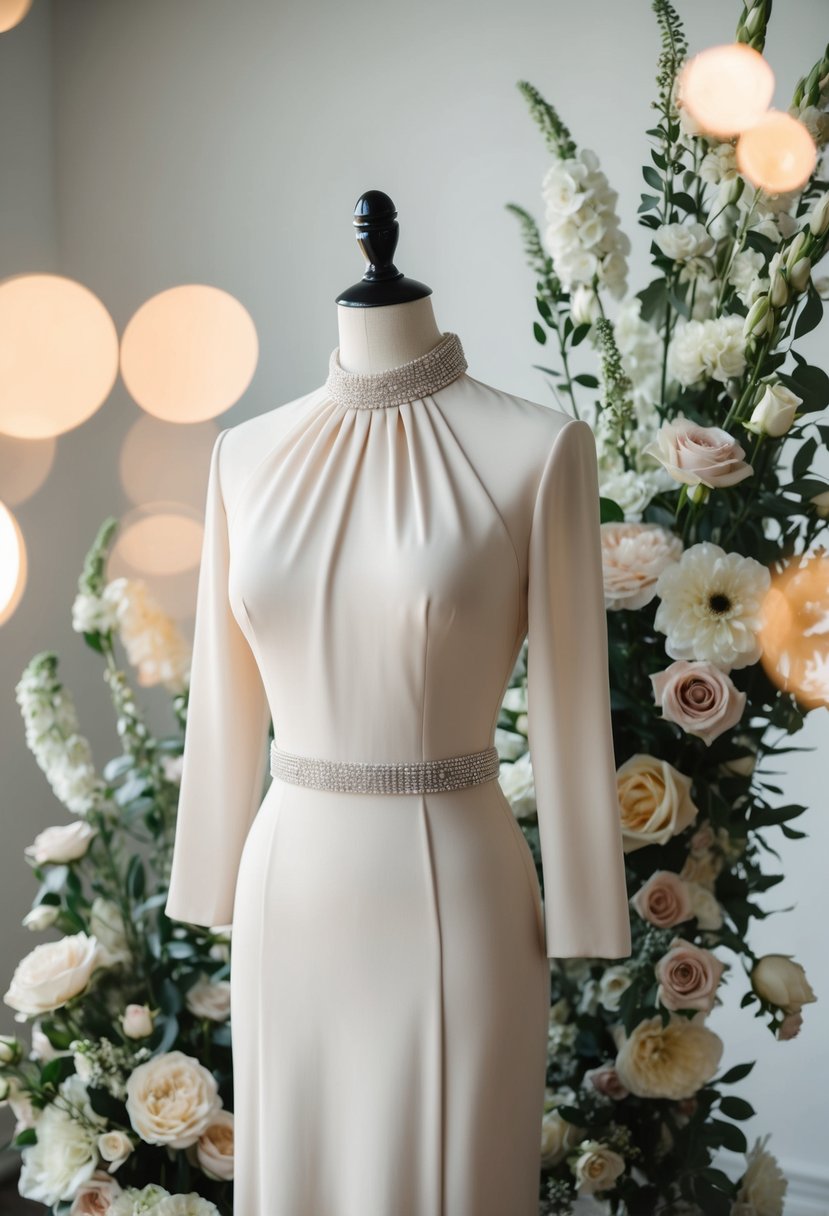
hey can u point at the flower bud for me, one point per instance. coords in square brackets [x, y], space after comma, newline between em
[819, 216]
[41, 916]
[11, 1049]
[779, 291]
[821, 504]
[757, 320]
[800, 274]
[778, 979]
[795, 250]
[137, 1021]
[775, 411]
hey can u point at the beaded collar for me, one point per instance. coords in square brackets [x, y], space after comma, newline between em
[410, 381]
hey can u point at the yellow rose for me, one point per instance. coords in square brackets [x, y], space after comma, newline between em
[655, 801]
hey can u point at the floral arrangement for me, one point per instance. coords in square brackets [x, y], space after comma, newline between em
[122, 1099]
[699, 387]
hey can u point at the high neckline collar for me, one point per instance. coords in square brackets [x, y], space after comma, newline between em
[419, 377]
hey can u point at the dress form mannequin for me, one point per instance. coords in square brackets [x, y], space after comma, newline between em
[374, 339]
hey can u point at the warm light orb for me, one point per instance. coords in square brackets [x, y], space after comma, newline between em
[726, 88]
[794, 630]
[160, 461]
[12, 13]
[160, 539]
[24, 466]
[58, 355]
[189, 353]
[13, 565]
[777, 153]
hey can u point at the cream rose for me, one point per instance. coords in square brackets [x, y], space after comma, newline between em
[214, 1147]
[209, 998]
[596, 1167]
[699, 697]
[60, 844]
[137, 1021]
[705, 906]
[95, 1197]
[633, 557]
[664, 900]
[775, 411]
[673, 1061]
[688, 976]
[171, 1099]
[698, 455]
[52, 973]
[655, 801]
[114, 1147]
[612, 984]
[778, 979]
[763, 1185]
[558, 1137]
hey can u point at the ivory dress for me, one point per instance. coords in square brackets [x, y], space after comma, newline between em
[375, 553]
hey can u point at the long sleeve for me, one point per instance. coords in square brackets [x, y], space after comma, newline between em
[225, 740]
[568, 703]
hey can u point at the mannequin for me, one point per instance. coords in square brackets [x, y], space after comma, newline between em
[376, 551]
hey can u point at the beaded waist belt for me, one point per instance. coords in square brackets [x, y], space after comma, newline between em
[404, 777]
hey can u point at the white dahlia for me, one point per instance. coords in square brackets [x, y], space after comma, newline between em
[710, 606]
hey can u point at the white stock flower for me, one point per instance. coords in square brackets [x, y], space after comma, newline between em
[680, 242]
[710, 606]
[155, 646]
[93, 614]
[582, 230]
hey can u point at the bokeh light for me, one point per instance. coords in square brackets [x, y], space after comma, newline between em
[777, 153]
[160, 461]
[12, 13]
[726, 88]
[58, 355]
[24, 466]
[13, 564]
[795, 629]
[189, 353]
[160, 542]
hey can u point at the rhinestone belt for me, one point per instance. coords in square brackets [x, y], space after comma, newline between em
[404, 777]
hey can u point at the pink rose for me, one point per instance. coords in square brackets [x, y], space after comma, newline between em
[606, 1080]
[698, 696]
[95, 1196]
[664, 900]
[633, 557]
[688, 976]
[696, 454]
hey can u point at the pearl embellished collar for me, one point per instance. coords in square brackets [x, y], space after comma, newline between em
[410, 381]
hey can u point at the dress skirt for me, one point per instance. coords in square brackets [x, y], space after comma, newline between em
[389, 1006]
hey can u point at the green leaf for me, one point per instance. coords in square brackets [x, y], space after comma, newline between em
[684, 201]
[586, 380]
[717, 1131]
[736, 1108]
[653, 298]
[540, 333]
[803, 457]
[580, 332]
[115, 768]
[811, 315]
[136, 877]
[27, 1136]
[611, 512]
[57, 1069]
[104, 1103]
[652, 178]
[649, 201]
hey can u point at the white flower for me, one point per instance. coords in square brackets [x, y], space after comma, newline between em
[42, 916]
[671, 1061]
[172, 767]
[214, 1148]
[518, 783]
[713, 349]
[582, 229]
[134, 1201]
[66, 1153]
[746, 270]
[209, 998]
[171, 1099]
[137, 1021]
[60, 844]
[778, 979]
[710, 606]
[597, 1167]
[775, 411]
[515, 698]
[114, 1147]
[52, 973]
[630, 490]
[613, 982]
[185, 1205]
[683, 241]
[96, 1195]
[155, 646]
[762, 1186]
[510, 743]
[584, 305]
[704, 906]
[558, 1137]
[719, 164]
[93, 613]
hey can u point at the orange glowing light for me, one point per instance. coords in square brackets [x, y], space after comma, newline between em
[777, 153]
[726, 88]
[13, 564]
[12, 13]
[24, 466]
[58, 355]
[159, 539]
[189, 353]
[794, 629]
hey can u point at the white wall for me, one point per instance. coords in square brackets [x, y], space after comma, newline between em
[227, 143]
